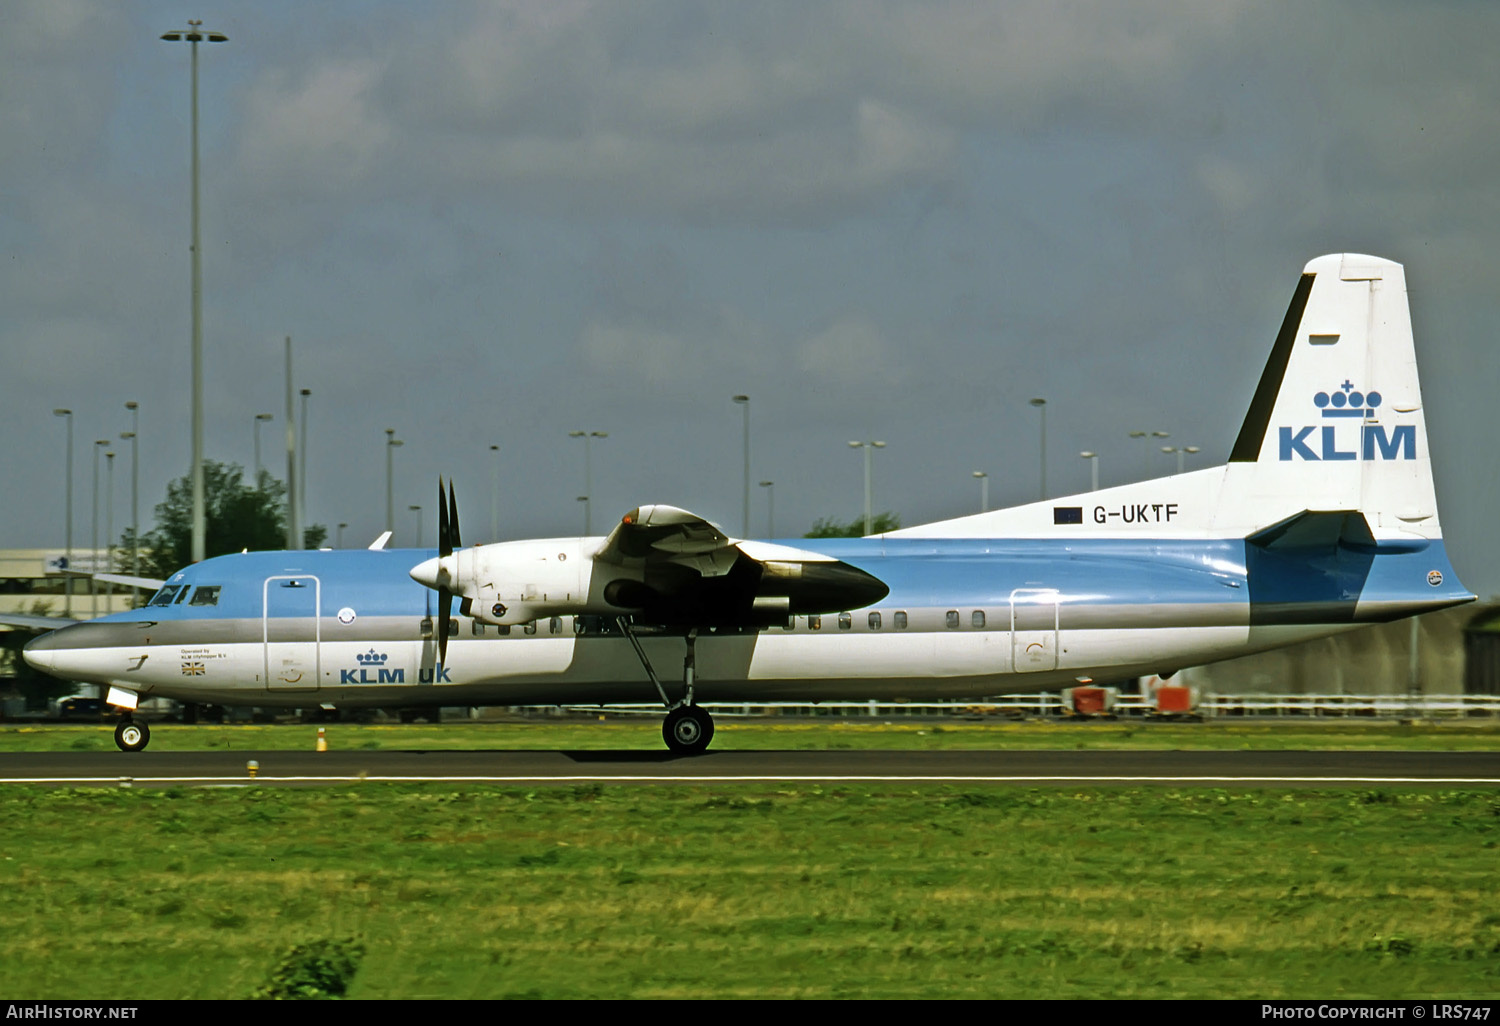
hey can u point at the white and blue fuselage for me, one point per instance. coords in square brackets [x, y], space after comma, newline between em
[964, 617]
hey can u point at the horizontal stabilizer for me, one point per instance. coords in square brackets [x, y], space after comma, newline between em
[1315, 531]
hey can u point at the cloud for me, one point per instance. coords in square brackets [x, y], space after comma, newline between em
[850, 354]
[320, 127]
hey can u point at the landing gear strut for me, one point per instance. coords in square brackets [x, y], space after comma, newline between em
[132, 735]
[687, 730]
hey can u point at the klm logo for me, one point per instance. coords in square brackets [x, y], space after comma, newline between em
[372, 670]
[1372, 442]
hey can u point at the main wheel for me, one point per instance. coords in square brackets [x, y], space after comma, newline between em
[687, 730]
[132, 736]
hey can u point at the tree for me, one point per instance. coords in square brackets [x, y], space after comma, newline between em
[827, 527]
[236, 516]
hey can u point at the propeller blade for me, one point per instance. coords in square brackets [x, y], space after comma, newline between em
[452, 514]
[445, 610]
[445, 544]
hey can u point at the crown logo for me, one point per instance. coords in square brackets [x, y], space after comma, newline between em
[1347, 401]
[371, 658]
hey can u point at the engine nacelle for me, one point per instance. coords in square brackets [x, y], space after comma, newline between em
[510, 583]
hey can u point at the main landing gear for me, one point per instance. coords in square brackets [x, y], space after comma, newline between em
[132, 735]
[687, 730]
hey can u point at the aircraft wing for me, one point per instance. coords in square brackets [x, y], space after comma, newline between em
[665, 534]
[128, 580]
[675, 567]
[27, 622]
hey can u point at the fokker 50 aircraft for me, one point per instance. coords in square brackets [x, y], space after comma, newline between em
[1323, 519]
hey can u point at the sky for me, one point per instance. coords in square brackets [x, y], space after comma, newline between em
[492, 224]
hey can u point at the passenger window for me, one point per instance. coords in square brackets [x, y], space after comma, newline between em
[874, 621]
[503, 629]
[814, 623]
[477, 629]
[951, 618]
[554, 625]
[846, 621]
[899, 620]
[977, 618]
[208, 595]
[166, 595]
[530, 626]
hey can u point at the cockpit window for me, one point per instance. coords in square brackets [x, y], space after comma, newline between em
[166, 595]
[181, 595]
[206, 595]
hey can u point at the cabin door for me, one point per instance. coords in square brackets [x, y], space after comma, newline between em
[291, 632]
[1033, 629]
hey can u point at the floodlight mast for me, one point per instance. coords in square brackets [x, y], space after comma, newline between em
[194, 35]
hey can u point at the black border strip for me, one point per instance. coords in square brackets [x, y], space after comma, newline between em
[1253, 431]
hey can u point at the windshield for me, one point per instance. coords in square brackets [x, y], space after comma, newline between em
[166, 595]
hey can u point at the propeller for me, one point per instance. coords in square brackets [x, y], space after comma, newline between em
[448, 540]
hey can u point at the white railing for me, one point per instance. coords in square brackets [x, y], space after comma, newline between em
[1051, 704]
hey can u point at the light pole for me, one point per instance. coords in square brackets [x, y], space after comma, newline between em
[94, 534]
[1093, 458]
[392, 443]
[302, 467]
[867, 447]
[293, 537]
[418, 511]
[340, 542]
[495, 495]
[109, 527]
[68, 519]
[195, 35]
[1180, 450]
[770, 487]
[984, 491]
[260, 418]
[135, 479]
[1041, 405]
[744, 402]
[587, 498]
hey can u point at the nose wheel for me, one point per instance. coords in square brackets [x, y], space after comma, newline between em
[132, 736]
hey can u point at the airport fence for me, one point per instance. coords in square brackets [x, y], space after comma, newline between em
[1053, 704]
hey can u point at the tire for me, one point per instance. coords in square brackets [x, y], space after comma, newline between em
[132, 736]
[687, 730]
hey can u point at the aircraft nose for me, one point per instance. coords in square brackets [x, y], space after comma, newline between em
[38, 652]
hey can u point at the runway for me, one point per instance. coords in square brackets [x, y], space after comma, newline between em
[1000, 768]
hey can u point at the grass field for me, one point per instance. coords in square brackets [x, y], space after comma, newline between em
[929, 891]
[644, 733]
[750, 891]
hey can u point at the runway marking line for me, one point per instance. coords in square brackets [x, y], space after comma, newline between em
[758, 779]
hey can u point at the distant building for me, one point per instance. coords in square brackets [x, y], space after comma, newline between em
[1373, 660]
[32, 582]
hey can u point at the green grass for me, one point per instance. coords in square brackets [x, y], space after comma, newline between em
[753, 734]
[405, 891]
[644, 733]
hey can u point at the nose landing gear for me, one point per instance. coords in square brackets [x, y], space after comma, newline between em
[132, 735]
